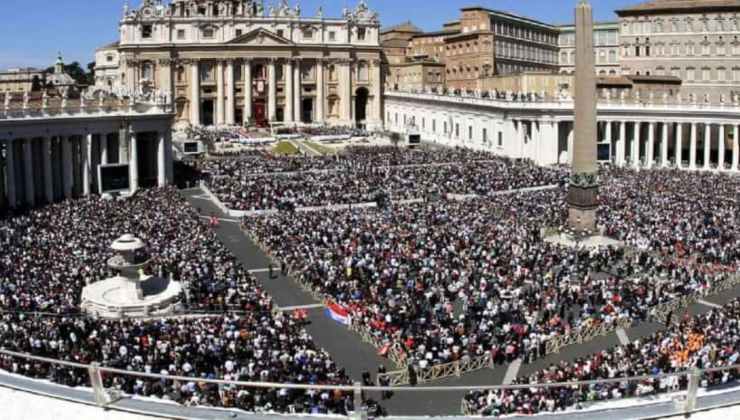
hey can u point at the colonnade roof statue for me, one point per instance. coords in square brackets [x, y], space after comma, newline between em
[582, 195]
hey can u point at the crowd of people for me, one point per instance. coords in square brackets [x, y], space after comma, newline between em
[360, 174]
[710, 340]
[442, 280]
[51, 253]
[454, 279]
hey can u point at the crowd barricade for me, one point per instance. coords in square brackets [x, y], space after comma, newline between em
[585, 334]
[437, 372]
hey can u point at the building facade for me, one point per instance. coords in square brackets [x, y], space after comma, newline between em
[696, 41]
[233, 62]
[606, 46]
[21, 80]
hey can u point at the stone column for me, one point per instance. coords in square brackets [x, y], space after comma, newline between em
[86, 162]
[247, 91]
[621, 144]
[320, 89]
[230, 89]
[10, 169]
[134, 162]
[123, 145]
[168, 164]
[67, 171]
[377, 92]
[636, 145]
[650, 153]
[289, 79]
[692, 146]
[28, 172]
[736, 148]
[272, 91]
[161, 160]
[345, 92]
[664, 145]
[165, 73]
[220, 93]
[298, 87]
[194, 93]
[679, 145]
[48, 176]
[707, 145]
[104, 149]
[721, 153]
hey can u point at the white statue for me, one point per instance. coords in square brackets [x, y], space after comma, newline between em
[25, 100]
[82, 99]
[8, 98]
[320, 12]
[44, 100]
[101, 99]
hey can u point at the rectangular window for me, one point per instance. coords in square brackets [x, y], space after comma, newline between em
[181, 34]
[500, 139]
[485, 136]
[434, 126]
[332, 36]
[470, 133]
[361, 32]
[207, 33]
[308, 34]
[457, 130]
[146, 31]
[239, 32]
[281, 33]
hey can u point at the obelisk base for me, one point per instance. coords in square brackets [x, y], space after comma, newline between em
[582, 205]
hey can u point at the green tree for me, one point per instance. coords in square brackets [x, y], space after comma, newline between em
[75, 71]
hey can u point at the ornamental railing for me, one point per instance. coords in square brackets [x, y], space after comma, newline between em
[109, 398]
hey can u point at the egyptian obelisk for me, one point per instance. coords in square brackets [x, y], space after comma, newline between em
[583, 189]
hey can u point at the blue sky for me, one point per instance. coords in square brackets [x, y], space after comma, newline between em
[32, 31]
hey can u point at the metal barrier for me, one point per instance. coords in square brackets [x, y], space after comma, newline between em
[585, 334]
[437, 372]
[106, 399]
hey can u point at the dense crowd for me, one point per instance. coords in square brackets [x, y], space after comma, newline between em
[49, 255]
[450, 279]
[360, 174]
[706, 341]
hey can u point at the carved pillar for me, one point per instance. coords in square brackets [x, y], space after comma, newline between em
[247, 91]
[288, 80]
[48, 176]
[707, 145]
[692, 147]
[220, 93]
[736, 148]
[297, 112]
[320, 91]
[272, 91]
[679, 145]
[194, 93]
[664, 145]
[636, 146]
[650, 153]
[721, 152]
[230, 89]
[28, 172]
[345, 91]
[621, 144]
[86, 163]
[10, 169]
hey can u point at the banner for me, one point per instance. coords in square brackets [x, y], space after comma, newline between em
[338, 313]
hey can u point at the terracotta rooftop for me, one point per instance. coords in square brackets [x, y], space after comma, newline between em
[680, 6]
[403, 27]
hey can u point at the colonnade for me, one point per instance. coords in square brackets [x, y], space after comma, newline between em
[330, 87]
[709, 145]
[42, 169]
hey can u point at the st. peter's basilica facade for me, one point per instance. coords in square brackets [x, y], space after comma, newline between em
[237, 62]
